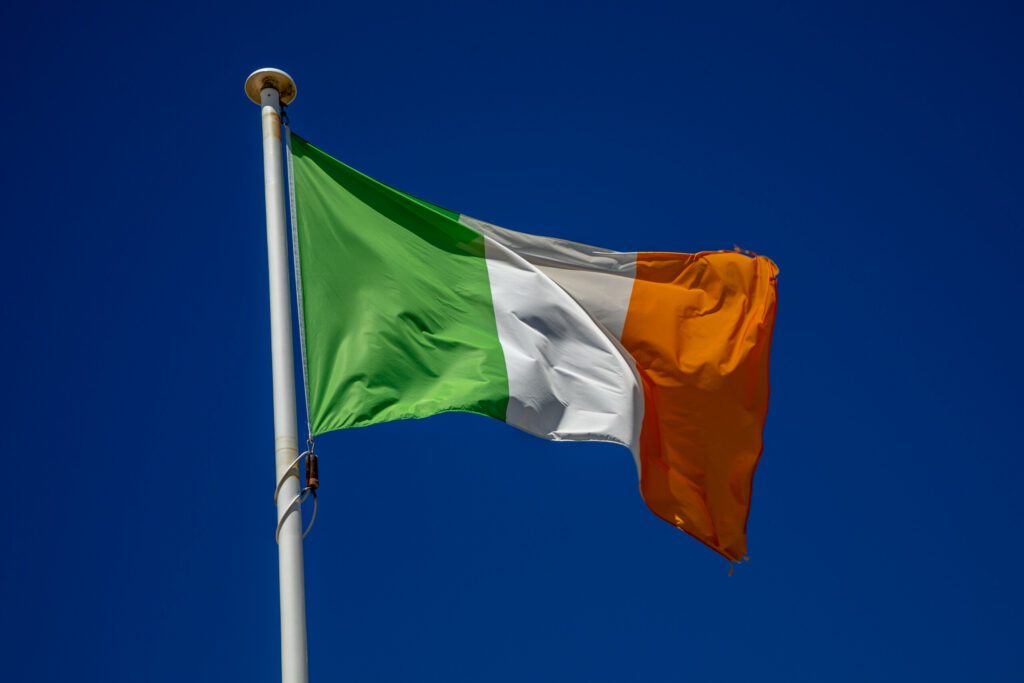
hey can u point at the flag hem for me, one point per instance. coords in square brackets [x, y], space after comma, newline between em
[293, 217]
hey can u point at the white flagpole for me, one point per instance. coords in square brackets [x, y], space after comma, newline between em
[270, 88]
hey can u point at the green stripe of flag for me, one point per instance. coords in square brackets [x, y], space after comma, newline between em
[399, 321]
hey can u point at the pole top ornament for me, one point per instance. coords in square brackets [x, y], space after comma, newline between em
[270, 78]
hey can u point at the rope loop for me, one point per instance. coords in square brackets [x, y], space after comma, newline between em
[296, 504]
[312, 484]
[288, 473]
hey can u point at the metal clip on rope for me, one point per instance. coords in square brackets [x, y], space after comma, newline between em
[312, 484]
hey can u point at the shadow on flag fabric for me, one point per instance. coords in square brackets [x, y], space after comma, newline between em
[408, 310]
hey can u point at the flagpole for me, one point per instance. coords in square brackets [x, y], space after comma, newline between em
[270, 88]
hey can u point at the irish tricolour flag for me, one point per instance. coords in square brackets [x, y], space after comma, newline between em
[409, 310]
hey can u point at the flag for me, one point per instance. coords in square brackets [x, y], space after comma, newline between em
[408, 310]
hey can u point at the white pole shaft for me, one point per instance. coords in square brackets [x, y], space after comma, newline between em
[289, 548]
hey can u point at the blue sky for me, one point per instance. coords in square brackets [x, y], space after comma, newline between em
[873, 151]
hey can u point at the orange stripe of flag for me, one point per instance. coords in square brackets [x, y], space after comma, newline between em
[699, 327]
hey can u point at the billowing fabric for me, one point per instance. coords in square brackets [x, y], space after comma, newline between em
[409, 310]
[699, 327]
[568, 379]
[396, 303]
